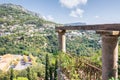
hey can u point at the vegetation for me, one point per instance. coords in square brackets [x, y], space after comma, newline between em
[11, 74]
[113, 79]
[47, 68]
[25, 33]
[21, 78]
[28, 73]
[21, 34]
[55, 73]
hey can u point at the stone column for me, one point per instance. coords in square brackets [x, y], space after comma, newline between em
[109, 54]
[62, 40]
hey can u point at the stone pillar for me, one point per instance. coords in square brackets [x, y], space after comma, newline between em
[109, 54]
[62, 40]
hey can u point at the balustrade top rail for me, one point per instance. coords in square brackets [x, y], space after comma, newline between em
[110, 27]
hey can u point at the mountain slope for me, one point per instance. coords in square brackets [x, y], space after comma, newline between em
[11, 14]
[23, 31]
[75, 24]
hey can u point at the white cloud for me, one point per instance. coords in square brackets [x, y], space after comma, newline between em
[49, 17]
[44, 17]
[72, 3]
[97, 17]
[77, 13]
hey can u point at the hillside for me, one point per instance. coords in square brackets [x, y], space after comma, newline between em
[15, 16]
[18, 14]
[26, 33]
[20, 29]
[23, 32]
[29, 47]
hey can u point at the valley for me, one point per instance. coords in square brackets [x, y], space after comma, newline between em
[29, 48]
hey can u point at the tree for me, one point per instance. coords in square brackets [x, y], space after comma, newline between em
[11, 74]
[28, 73]
[55, 73]
[47, 68]
[5, 78]
[31, 74]
[51, 71]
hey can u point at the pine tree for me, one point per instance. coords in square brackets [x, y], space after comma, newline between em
[28, 73]
[51, 71]
[5, 78]
[47, 68]
[11, 74]
[55, 73]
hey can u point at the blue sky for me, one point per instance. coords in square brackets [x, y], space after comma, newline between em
[70, 11]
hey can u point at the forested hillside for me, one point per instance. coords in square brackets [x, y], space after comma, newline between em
[24, 32]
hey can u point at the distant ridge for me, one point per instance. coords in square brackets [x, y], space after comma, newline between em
[75, 24]
[12, 14]
[19, 7]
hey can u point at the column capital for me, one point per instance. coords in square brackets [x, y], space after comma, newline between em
[108, 33]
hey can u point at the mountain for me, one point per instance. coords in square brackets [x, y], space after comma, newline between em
[75, 24]
[19, 7]
[11, 14]
[23, 31]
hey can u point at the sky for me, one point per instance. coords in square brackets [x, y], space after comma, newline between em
[72, 11]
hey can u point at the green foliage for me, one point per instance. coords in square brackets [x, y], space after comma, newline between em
[28, 74]
[67, 64]
[31, 75]
[21, 78]
[96, 57]
[15, 14]
[70, 65]
[65, 60]
[113, 79]
[47, 68]
[50, 73]
[22, 73]
[39, 43]
[82, 46]
[38, 69]
[4, 75]
[17, 21]
[21, 41]
[11, 74]
[55, 71]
